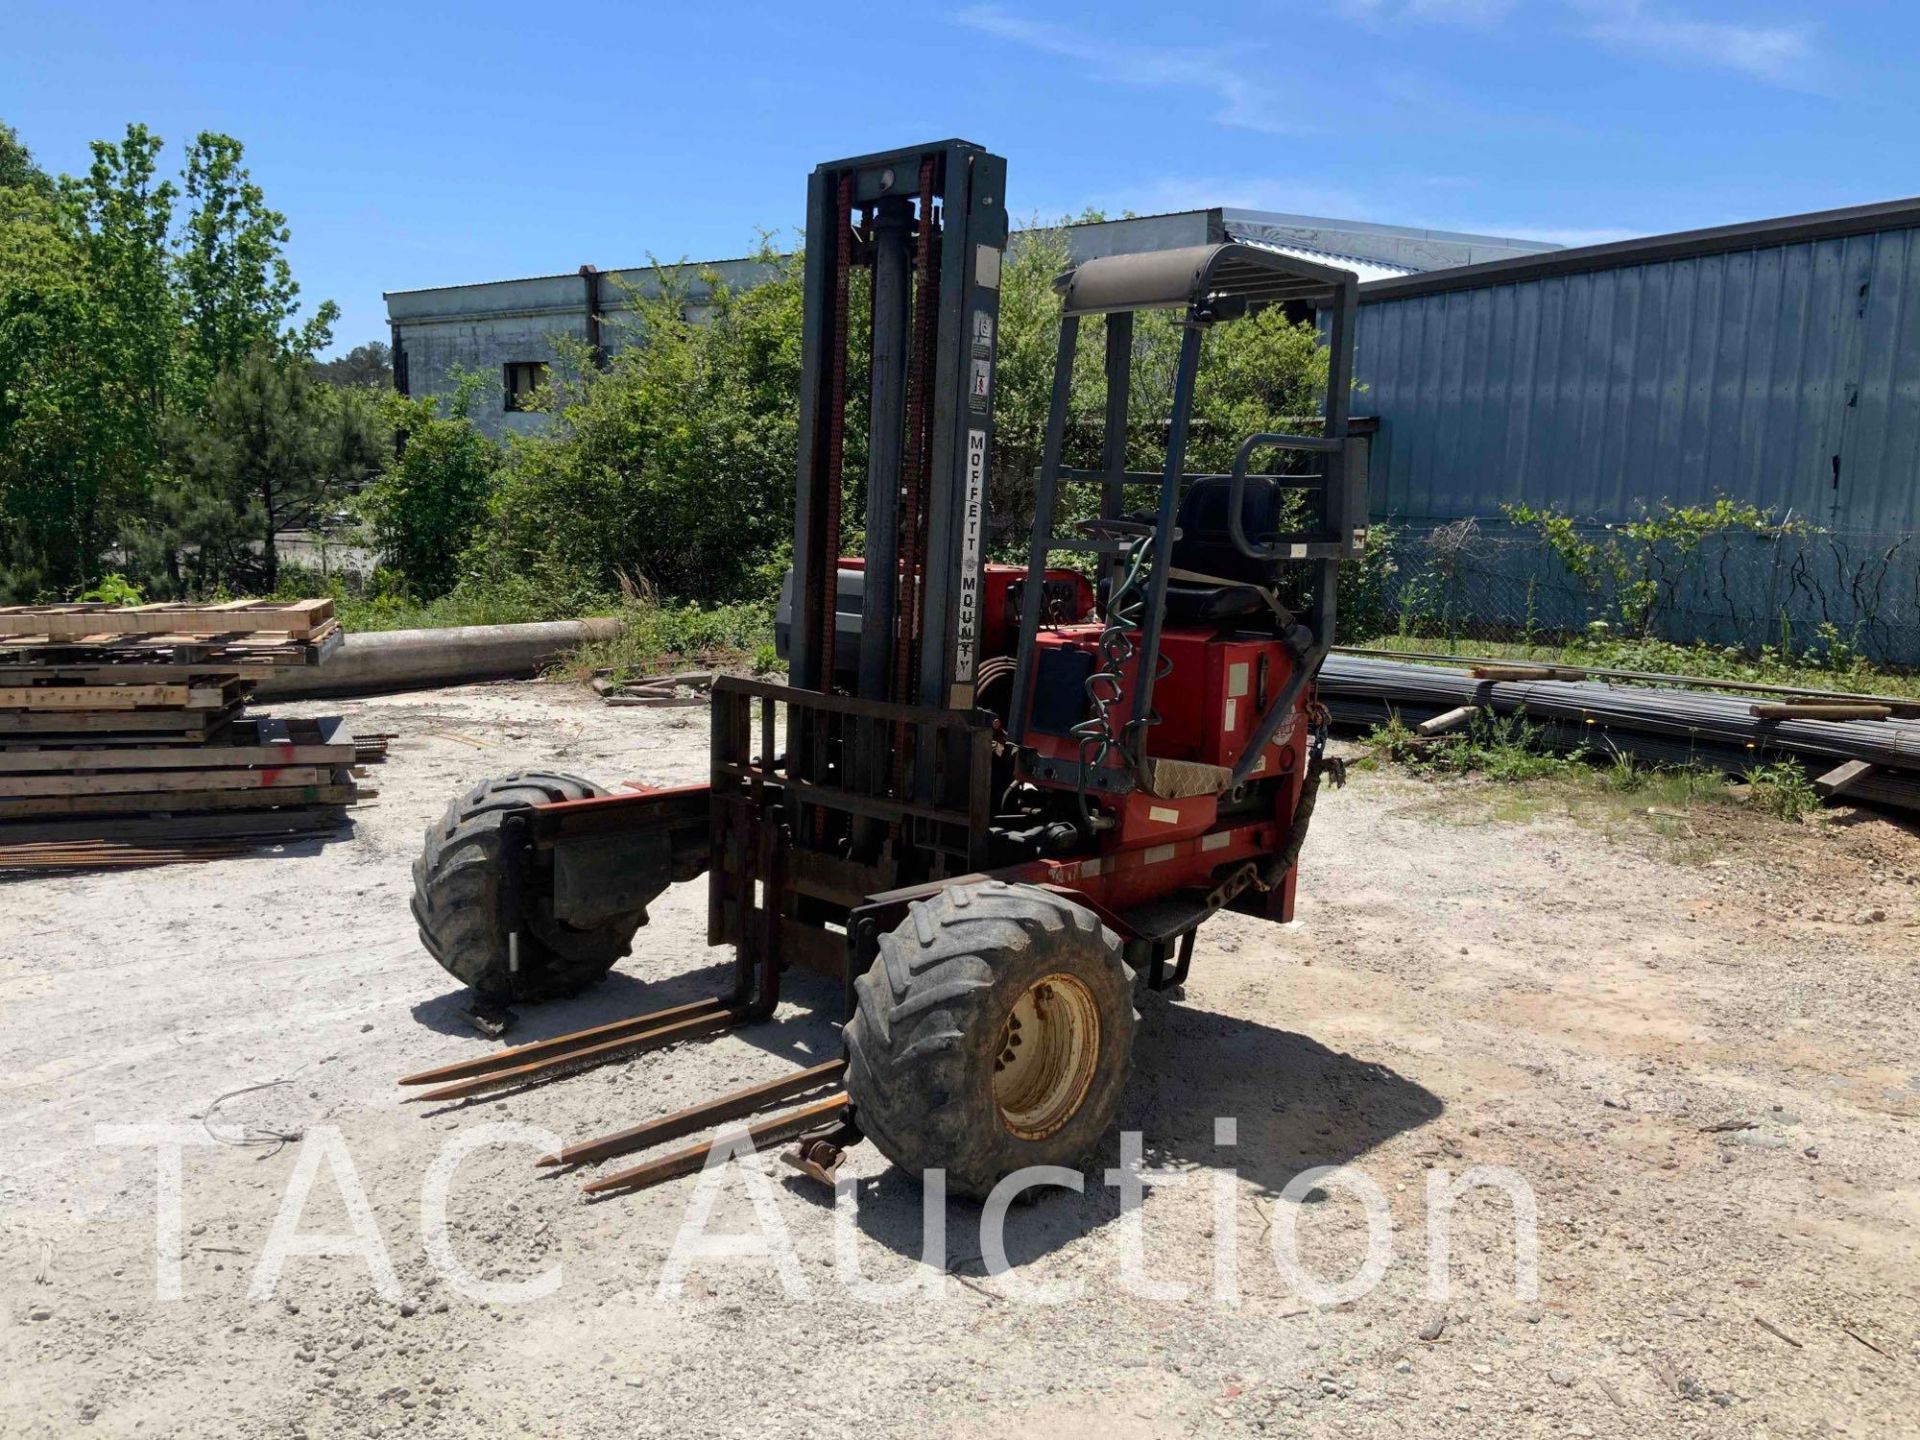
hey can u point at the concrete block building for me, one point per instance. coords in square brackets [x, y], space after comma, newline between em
[509, 328]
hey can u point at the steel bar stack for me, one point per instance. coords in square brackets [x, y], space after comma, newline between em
[1664, 725]
[123, 738]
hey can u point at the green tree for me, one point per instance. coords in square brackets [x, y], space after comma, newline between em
[87, 334]
[237, 288]
[124, 214]
[368, 366]
[56, 446]
[136, 363]
[267, 452]
[17, 169]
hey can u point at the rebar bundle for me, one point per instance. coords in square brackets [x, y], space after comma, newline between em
[1667, 725]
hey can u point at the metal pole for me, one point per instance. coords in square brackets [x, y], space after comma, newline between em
[1149, 661]
[1113, 459]
[1341, 476]
[810, 580]
[1037, 548]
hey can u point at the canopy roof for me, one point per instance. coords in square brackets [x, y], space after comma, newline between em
[1170, 279]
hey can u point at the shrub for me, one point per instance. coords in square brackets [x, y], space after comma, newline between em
[426, 509]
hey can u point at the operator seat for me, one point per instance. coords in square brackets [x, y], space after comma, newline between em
[1211, 581]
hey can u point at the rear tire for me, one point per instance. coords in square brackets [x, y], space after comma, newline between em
[459, 899]
[993, 1031]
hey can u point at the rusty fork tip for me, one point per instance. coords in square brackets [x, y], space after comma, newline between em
[549, 1160]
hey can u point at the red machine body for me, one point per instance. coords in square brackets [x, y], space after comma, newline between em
[1209, 702]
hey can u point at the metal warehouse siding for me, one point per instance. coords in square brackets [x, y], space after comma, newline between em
[1743, 373]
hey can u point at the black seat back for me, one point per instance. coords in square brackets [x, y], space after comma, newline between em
[1206, 543]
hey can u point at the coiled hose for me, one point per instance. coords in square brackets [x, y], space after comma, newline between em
[1098, 734]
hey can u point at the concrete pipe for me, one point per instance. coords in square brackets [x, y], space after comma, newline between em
[381, 661]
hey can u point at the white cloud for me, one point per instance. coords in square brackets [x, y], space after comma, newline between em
[1243, 104]
[1779, 54]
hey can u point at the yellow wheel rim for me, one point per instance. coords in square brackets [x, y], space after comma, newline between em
[1049, 1046]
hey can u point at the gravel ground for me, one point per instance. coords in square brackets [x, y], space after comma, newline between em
[1592, 1007]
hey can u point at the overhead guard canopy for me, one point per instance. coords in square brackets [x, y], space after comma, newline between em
[1176, 279]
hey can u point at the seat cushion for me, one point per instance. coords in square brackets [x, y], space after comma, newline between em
[1192, 603]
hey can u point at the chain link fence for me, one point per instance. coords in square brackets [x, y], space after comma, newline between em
[1798, 592]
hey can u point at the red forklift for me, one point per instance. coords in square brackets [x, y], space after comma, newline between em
[991, 798]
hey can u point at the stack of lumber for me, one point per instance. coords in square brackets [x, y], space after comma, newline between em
[124, 737]
[246, 638]
[1865, 747]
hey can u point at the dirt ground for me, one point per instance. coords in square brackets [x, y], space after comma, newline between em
[1701, 1059]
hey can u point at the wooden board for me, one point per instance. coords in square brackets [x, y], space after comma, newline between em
[248, 743]
[1842, 778]
[296, 620]
[185, 801]
[110, 855]
[162, 782]
[69, 673]
[237, 824]
[91, 697]
[122, 697]
[234, 651]
[1526, 672]
[190, 725]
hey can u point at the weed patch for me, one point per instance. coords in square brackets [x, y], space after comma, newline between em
[1520, 777]
[660, 636]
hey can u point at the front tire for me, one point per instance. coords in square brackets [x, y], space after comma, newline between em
[460, 902]
[993, 1031]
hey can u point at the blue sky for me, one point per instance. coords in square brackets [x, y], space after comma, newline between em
[414, 145]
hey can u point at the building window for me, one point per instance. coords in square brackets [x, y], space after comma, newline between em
[523, 377]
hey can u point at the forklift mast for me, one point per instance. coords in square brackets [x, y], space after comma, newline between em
[931, 225]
